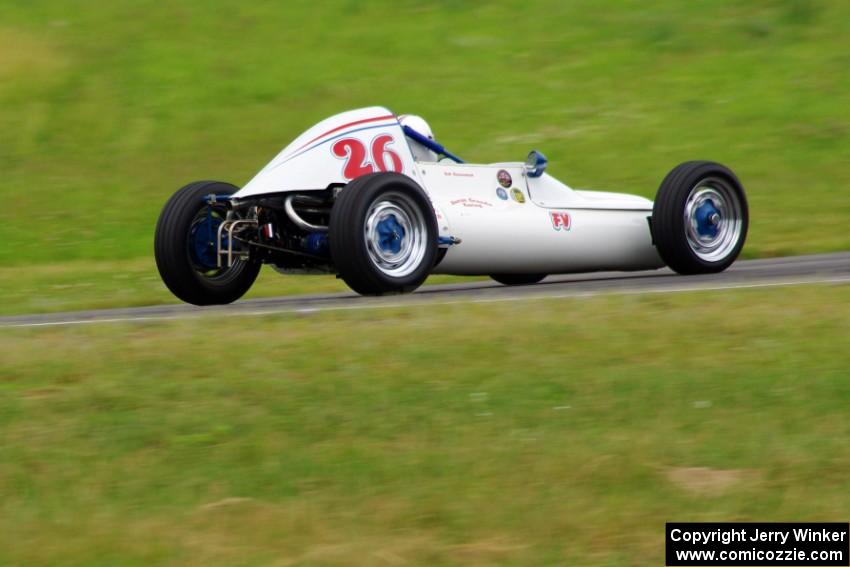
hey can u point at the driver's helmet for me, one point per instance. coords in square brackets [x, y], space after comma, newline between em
[420, 152]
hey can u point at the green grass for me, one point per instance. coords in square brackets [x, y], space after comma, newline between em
[106, 108]
[102, 284]
[533, 433]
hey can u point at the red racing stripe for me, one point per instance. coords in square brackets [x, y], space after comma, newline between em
[338, 128]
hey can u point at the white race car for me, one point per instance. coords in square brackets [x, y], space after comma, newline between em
[372, 197]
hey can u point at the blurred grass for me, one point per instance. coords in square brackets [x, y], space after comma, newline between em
[380, 438]
[103, 284]
[107, 107]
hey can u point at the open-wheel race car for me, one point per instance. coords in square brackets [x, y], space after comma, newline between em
[372, 197]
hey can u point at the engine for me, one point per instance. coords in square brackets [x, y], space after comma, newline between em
[288, 231]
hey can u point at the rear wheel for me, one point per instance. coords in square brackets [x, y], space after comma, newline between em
[185, 248]
[700, 218]
[383, 234]
[518, 279]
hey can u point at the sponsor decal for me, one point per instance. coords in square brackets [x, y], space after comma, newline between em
[457, 174]
[504, 178]
[501, 193]
[470, 203]
[560, 221]
[517, 195]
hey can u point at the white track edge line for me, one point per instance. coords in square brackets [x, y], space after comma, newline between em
[426, 302]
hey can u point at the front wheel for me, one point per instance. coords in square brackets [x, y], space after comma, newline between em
[185, 248]
[383, 234]
[700, 218]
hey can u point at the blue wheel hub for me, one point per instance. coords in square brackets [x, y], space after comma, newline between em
[202, 241]
[707, 219]
[390, 234]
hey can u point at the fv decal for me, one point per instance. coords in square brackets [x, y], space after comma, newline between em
[560, 221]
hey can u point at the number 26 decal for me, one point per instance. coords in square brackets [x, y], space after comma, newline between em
[357, 161]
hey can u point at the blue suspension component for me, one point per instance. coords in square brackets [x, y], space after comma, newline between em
[707, 217]
[213, 198]
[202, 240]
[316, 243]
[390, 234]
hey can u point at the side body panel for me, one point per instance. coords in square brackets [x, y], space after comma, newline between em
[502, 230]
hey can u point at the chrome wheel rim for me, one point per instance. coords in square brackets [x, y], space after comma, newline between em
[713, 219]
[396, 234]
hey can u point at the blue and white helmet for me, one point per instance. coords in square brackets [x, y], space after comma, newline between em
[420, 152]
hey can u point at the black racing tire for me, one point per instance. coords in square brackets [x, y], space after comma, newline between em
[383, 234]
[518, 279]
[174, 257]
[700, 218]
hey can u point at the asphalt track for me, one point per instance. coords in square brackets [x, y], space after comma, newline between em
[794, 270]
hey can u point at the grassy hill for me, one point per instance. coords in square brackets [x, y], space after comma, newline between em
[108, 107]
